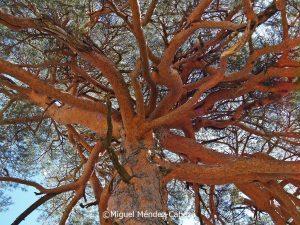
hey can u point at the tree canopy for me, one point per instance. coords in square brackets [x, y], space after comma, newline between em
[194, 101]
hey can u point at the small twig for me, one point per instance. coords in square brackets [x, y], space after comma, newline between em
[88, 204]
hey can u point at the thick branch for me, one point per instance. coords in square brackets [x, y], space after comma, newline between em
[89, 52]
[238, 171]
[41, 87]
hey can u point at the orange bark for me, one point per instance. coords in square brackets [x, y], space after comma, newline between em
[140, 122]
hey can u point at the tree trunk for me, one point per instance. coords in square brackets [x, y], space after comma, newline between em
[141, 199]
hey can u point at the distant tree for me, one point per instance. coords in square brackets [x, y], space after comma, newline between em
[174, 105]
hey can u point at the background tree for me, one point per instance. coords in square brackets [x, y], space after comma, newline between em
[152, 105]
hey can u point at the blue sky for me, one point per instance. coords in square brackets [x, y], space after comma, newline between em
[21, 201]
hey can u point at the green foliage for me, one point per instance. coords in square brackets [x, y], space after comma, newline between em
[41, 148]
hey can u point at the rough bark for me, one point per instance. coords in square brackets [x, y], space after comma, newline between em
[194, 86]
[142, 195]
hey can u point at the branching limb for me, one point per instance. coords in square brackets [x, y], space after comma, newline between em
[255, 191]
[149, 12]
[90, 79]
[86, 49]
[42, 88]
[25, 182]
